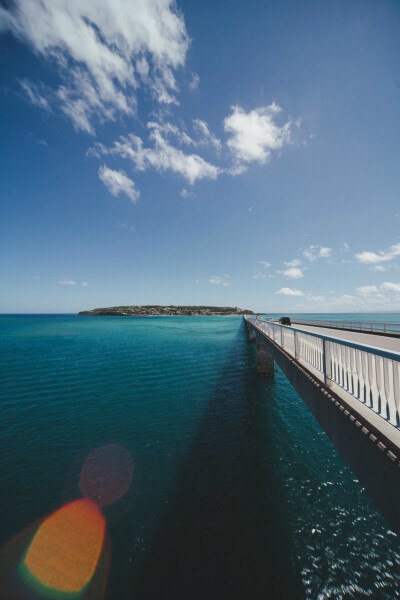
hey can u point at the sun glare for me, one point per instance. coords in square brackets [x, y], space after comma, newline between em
[66, 548]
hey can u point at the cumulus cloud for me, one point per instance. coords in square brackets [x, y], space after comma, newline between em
[373, 258]
[186, 193]
[103, 51]
[255, 134]
[66, 282]
[293, 273]
[264, 263]
[118, 182]
[366, 290]
[390, 287]
[216, 280]
[285, 291]
[162, 156]
[292, 263]
[314, 252]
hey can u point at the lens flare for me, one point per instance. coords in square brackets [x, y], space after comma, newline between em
[66, 548]
[106, 474]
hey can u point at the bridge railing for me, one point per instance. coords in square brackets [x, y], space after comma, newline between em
[370, 374]
[365, 326]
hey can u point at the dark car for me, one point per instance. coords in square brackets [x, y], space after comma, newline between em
[285, 321]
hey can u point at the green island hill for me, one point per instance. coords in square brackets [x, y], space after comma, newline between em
[156, 310]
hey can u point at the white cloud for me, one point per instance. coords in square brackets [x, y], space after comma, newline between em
[314, 252]
[366, 290]
[84, 283]
[372, 258]
[194, 83]
[346, 299]
[118, 182]
[292, 263]
[391, 287]
[162, 156]
[262, 274]
[102, 50]
[205, 135]
[316, 298]
[66, 282]
[168, 129]
[378, 268]
[293, 273]
[216, 280]
[325, 252]
[186, 193]
[285, 291]
[34, 93]
[254, 135]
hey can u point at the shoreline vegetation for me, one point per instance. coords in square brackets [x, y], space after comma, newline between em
[157, 310]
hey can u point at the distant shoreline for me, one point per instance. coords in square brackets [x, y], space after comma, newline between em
[167, 311]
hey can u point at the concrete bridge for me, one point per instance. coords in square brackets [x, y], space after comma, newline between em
[350, 381]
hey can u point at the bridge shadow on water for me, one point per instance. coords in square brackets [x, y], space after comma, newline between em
[223, 535]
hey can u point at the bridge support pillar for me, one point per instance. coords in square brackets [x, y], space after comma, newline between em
[252, 335]
[265, 362]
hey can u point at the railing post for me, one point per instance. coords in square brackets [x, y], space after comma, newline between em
[295, 348]
[326, 362]
[281, 337]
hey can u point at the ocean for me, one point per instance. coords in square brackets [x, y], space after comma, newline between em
[205, 480]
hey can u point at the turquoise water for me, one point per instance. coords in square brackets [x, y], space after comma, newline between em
[236, 491]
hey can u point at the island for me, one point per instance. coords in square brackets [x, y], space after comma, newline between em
[171, 311]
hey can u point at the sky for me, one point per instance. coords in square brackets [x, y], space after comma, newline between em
[221, 153]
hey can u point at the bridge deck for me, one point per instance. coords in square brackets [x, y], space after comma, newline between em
[378, 341]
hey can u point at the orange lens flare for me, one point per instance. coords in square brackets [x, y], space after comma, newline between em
[106, 474]
[66, 548]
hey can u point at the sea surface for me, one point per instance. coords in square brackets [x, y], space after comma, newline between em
[235, 491]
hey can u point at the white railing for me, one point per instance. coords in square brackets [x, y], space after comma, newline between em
[365, 326]
[372, 375]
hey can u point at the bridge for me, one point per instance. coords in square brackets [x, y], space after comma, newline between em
[350, 381]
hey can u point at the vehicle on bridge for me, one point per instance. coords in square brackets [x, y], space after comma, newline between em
[285, 321]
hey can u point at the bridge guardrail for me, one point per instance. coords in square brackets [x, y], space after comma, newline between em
[365, 326]
[370, 374]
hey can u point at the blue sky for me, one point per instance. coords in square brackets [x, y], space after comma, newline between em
[225, 153]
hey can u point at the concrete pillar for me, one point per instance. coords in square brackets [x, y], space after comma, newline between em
[252, 335]
[265, 362]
